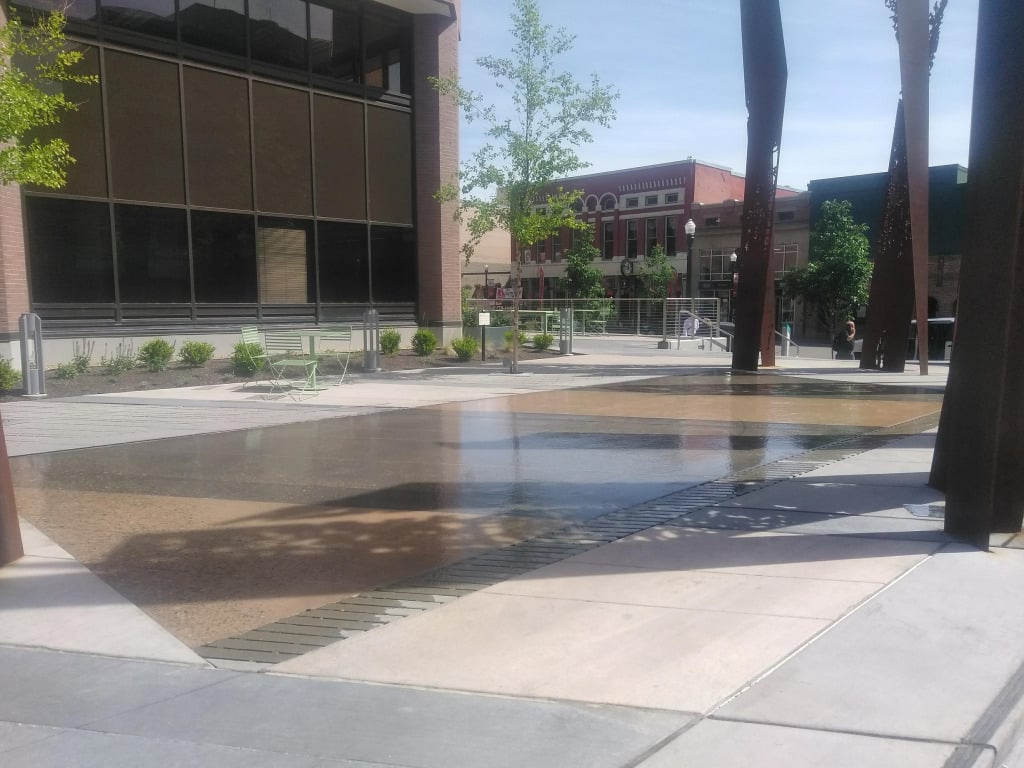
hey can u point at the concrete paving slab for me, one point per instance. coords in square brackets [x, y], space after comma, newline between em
[723, 744]
[925, 659]
[633, 655]
[818, 523]
[86, 749]
[406, 727]
[15, 735]
[693, 590]
[72, 689]
[818, 494]
[55, 602]
[833, 557]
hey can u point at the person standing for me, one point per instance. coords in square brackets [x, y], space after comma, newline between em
[842, 344]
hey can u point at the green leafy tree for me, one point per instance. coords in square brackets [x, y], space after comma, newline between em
[508, 183]
[837, 278]
[656, 273]
[582, 280]
[34, 61]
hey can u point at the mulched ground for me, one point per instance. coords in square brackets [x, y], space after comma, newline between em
[96, 382]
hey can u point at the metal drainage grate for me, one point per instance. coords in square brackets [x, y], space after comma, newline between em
[296, 635]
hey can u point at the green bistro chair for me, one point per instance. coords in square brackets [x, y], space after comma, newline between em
[293, 369]
[336, 342]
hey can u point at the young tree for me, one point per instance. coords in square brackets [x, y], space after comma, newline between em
[582, 279]
[836, 279]
[529, 147]
[656, 273]
[34, 61]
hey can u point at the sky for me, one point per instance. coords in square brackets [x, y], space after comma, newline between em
[678, 66]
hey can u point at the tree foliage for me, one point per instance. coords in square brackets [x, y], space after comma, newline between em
[837, 278]
[656, 273]
[582, 280]
[34, 61]
[533, 144]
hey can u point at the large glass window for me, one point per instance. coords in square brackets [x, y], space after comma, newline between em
[224, 257]
[277, 31]
[145, 129]
[670, 235]
[651, 237]
[784, 258]
[148, 17]
[70, 257]
[281, 126]
[608, 240]
[393, 259]
[386, 42]
[84, 10]
[340, 158]
[631, 237]
[284, 248]
[215, 24]
[389, 156]
[217, 122]
[334, 41]
[344, 262]
[152, 254]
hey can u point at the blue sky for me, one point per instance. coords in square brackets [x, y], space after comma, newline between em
[678, 66]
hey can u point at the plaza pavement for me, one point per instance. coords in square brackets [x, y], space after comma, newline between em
[822, 620]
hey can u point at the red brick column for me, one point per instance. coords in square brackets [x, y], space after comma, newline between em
[437, 163]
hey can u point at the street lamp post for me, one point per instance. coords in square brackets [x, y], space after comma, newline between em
[735, 278]
[691, 265]
[487, 283]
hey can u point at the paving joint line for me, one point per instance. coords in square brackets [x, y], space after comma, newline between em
[440, 586]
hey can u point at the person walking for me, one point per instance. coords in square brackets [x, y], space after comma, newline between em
[842, 344]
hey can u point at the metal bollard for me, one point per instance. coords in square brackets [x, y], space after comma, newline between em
[565, 330]
[785, 340]
[371, 340]
[32, 369]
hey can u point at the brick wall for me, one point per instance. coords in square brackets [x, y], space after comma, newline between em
[437, 162]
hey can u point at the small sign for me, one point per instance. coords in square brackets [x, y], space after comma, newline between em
[485, 318]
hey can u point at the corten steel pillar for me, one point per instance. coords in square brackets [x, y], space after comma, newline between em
[979, 453]
[912, 18]
[764, 77]
[10, 533]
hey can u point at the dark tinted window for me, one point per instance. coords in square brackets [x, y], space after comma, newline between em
[284, 248]
[69, 250]
[219, 150]
[215, 24]
[149, 17]
[152, 254]
[340, 158]
[73, 9]
[389, 155]
[344, 262]
[393, 259]
[224, 255]
[277, 31]
[281, 126]
[145, 129]
[386, 39]
[334, 41]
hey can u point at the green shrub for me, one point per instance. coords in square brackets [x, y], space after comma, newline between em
[10, 377]
[195, 353]
[501, 318]
[156, 354]
[470, 312]
[82, 356]
[65, 371]
[122, 361]
[543, 341]
[465, 347]
[508, 339]
[389, 341]
[245, 359]
[424, 342]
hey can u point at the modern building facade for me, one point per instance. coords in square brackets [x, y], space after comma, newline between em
[243, 162]
[632, 210]
[947, 211]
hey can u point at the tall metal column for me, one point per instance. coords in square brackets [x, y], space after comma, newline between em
[10, 532]
[764, 76]
[979, 453]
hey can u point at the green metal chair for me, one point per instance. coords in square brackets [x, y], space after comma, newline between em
[336, 342]
[285, 356]
[256, 361]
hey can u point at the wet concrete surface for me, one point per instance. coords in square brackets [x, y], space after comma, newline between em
[216, 534]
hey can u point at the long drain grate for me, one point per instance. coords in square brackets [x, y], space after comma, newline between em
[296, 635]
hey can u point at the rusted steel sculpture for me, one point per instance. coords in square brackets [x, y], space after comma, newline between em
[899, 284]
[10, 534]
[979, 455]
[764, 77]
